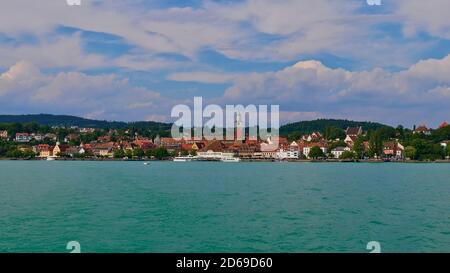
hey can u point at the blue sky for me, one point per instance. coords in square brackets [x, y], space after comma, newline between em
[135, 60]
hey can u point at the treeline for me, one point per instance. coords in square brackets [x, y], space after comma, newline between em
[320, 125]
[417, 146]
[69, 121]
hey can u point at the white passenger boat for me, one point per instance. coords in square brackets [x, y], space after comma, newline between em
[230, 159]
[184, 158]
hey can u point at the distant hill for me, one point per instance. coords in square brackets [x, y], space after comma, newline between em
[64, 120]
[321, 124]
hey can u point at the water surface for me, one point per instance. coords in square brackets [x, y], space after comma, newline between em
[223, 207]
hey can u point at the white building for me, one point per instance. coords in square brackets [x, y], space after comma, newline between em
[307, 149]
[338, 151]
[287, 154]
[23, 137]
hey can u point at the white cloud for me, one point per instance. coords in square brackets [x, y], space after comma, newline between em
[376, 94]
[430, 16]
[24, 86]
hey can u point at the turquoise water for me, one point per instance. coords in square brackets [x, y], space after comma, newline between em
[223, 207]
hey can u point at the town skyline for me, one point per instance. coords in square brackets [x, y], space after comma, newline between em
[135, 60]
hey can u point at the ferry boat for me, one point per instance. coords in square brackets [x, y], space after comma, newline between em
[183, 158]
[230, 159]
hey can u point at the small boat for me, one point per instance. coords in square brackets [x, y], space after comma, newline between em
[49, 158]
[230, 159]
[146, 163]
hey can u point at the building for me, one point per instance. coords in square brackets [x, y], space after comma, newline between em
[43, 150]
[4, 134]
[443, 125]
[23, 137]
[51, 136]
[315, 136]
[71, 137]
[350, 140]
[422, 129]
[354, 131]
[338, 151]
[59, 149]
[287, 154]
[307, 148]
[393, 149]
[216, 150]
[38, 137]
[86, 130]
[103, 149]
[73, 151]
[143, 143]
[192, 146]
[247, 151]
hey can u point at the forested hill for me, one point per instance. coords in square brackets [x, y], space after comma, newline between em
[68, 121]
[65, 120]
[320, 125]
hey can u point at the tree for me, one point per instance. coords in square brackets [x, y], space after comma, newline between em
[119, 154]
[358, 147]
[316, 152]
[138, 152]
[332, 133]
[375, 144]
[149, 153]
[161, 153]
[410, 152]
[129, 153]
[347, 155]
[447, 150]
[336, 144]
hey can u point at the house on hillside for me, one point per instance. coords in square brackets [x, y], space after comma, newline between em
[315, 136]
[354, 131]
[38, 137]
[4, 134]
[443, 125]
[350, 141]
[422, 129]
[22, 137]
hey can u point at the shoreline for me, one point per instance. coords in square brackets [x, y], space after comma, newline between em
[242, 160]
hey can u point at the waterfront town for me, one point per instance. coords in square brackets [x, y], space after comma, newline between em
[334, 144]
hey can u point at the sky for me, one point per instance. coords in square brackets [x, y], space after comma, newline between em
[134, 60]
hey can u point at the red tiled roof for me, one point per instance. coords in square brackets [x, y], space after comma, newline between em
[444, 124]
[353, 131]
[422, 128]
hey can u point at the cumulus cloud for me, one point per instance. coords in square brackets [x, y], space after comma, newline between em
[309, 86]
[253, 29]
[424, 16]
[24, 86]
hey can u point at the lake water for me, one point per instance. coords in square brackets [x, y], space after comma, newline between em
[223, 207]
